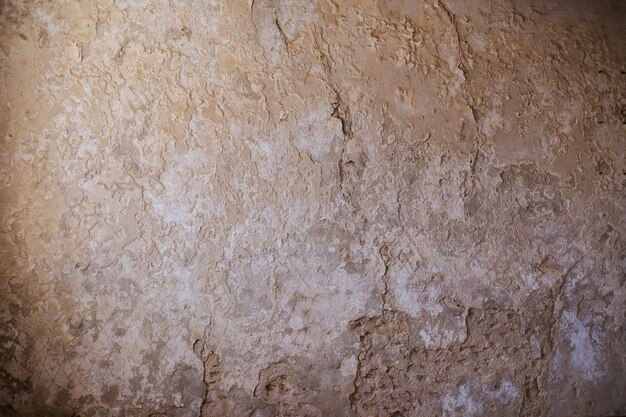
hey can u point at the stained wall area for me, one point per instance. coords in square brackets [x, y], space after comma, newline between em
[312, 208]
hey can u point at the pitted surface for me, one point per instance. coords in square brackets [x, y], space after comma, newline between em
[312, 208]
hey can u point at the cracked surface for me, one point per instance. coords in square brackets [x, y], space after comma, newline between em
[312, 208]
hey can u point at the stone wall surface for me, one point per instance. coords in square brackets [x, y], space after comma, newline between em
[394, 208]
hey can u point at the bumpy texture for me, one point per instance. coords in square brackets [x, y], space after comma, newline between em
[312, 208]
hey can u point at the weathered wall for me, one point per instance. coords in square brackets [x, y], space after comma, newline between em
[312, 208]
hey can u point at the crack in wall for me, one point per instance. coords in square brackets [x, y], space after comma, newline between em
[364, 200]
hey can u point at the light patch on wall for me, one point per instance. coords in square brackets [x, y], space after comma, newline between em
[585, 345]
[475, 398]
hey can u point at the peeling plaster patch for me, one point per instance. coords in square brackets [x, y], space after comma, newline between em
[312, 208]
[586, 346]
[132, 4]
[349, 366]
[472, 399]
[53, 26]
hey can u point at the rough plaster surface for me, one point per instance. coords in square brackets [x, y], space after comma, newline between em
[312, 208]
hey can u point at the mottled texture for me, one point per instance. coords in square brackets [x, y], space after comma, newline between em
[329, 208]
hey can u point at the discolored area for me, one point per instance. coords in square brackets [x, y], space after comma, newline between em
[312, 208]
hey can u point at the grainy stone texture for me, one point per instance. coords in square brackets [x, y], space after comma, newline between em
[312, 208]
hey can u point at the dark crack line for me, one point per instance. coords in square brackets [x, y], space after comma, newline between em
[283, 37]
[384, 254]
[469, 101]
